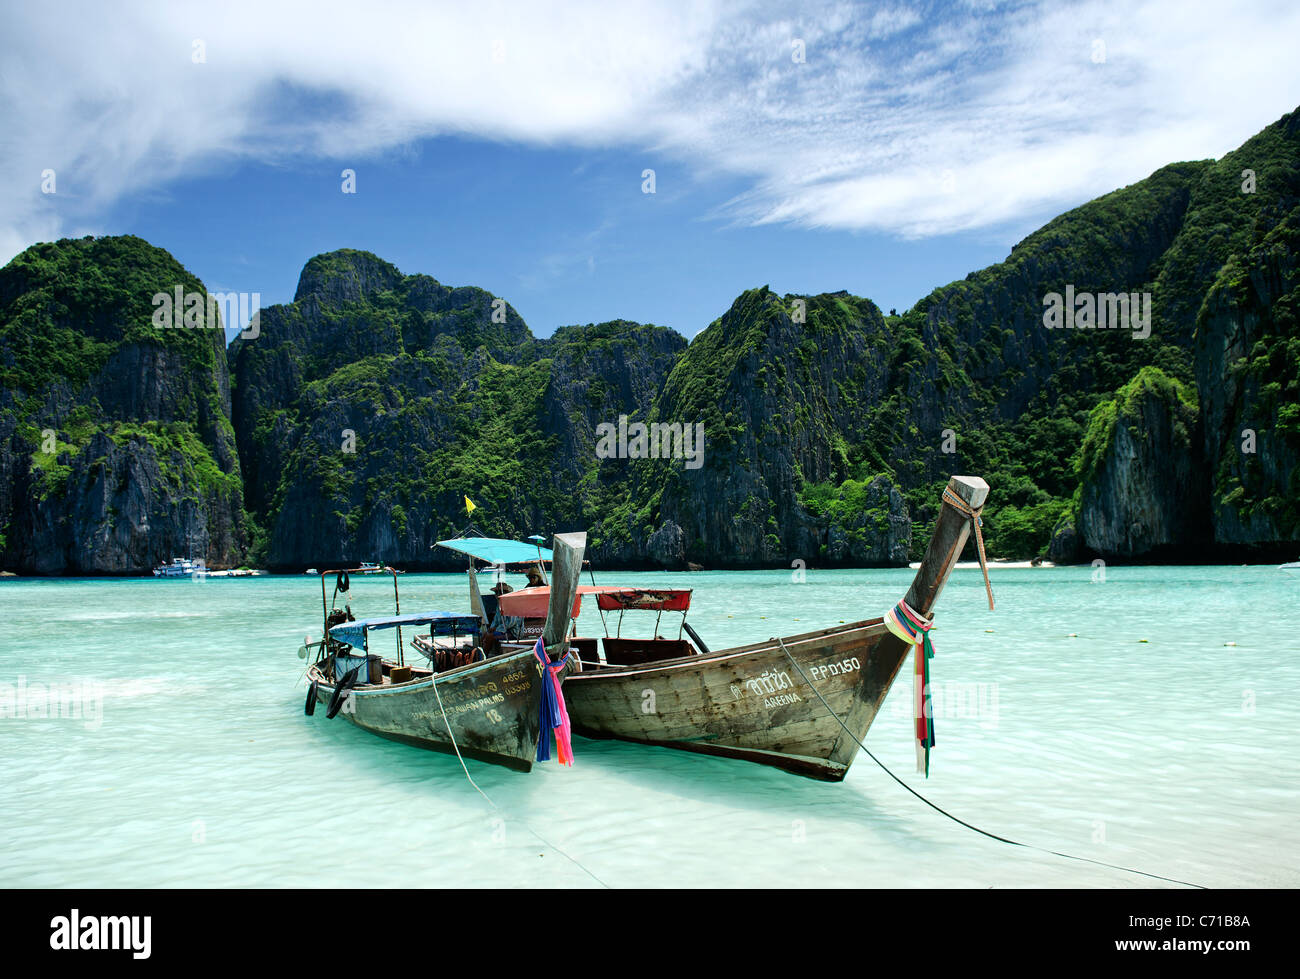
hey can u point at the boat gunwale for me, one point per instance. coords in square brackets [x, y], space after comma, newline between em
[700, 659]
[460, 672]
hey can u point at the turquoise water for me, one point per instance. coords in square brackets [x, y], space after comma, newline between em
[1178, 756]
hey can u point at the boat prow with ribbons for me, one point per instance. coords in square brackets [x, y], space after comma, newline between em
[477, 698]
[802, 703]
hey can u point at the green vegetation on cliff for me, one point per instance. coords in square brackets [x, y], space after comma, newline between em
[372, 404]
[111, 423]
[1127, 405]
[67, 306]
[807, 402]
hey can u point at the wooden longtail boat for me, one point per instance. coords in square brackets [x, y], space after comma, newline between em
[488, 709]
[752, 702]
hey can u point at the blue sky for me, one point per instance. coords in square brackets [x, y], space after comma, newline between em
[881, 148]
[565, 237]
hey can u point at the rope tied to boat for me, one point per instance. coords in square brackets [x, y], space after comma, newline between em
[973, 513]
[554, 715]
[488, 798]
[914, 629]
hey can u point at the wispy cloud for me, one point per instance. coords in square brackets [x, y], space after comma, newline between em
[914, 120]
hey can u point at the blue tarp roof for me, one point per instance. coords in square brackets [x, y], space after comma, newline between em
[443, 624]
[496, 550]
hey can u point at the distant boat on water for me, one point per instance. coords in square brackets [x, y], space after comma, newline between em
[186, 568]
[181, 567]
[1291, 567]
[367, 567]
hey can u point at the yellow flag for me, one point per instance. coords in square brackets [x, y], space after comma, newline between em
[469, 506]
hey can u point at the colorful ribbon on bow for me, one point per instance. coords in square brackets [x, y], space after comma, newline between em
[554, 715]
[910, 627]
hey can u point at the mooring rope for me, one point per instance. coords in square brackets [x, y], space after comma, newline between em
[944, 812]
[960, 505]
[433, 680]
[522, 822]
[604, 625]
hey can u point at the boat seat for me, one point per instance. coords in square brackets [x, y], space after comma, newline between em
[450, 659]
[585, 648]
[633, 652]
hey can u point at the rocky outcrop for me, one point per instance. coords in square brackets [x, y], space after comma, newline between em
[666, 547]
[1064, 546]
[777, 384]
[345, 276]
[879, 533]
[597, 374]
[1247, 353]
[1141, 493]
[367, 412]
[120, 508]
[116, 450]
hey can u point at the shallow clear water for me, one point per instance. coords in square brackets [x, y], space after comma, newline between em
[1179, 756]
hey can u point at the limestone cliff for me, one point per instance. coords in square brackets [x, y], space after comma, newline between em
[369, 409]
[1142, 491]
[116, 449]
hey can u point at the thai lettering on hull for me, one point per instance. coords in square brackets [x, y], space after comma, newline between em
[769, 682]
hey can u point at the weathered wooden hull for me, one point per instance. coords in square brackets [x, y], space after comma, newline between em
[492, 709]
[749, 702]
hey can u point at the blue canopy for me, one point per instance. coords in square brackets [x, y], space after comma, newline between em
[496, 550]
[441, 623]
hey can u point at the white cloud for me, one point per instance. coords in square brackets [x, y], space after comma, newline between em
[912, 120]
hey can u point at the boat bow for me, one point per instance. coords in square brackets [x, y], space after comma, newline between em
[801, 703]
[959, 513]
